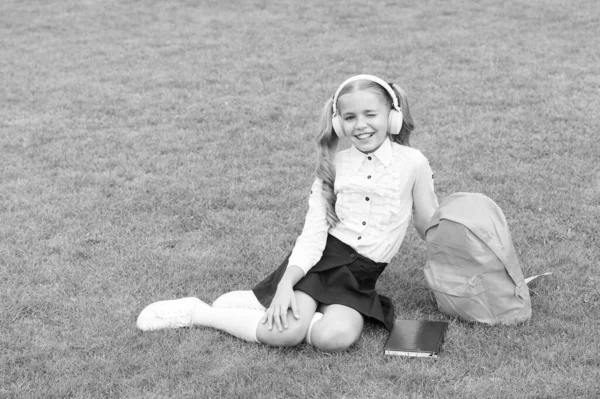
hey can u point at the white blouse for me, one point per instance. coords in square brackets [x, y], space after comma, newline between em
[377, 194]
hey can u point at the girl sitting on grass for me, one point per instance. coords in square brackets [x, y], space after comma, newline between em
[360, 206]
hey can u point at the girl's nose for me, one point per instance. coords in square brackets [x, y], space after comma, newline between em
[361, 123]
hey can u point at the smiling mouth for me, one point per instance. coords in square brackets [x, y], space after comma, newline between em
[364, 136]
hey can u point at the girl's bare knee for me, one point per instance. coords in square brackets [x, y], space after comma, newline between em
[295, 333]
[291, 336]
[334, 337]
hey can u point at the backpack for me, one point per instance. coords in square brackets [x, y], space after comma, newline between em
[472, 267]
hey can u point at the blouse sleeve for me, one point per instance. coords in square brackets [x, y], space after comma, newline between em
[425, 201]
[311, 243]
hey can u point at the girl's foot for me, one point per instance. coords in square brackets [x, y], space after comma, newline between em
[169, 314]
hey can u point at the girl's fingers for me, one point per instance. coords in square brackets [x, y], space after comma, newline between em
[270, 319]
[277, 317]
[294, 307]
[283, 316]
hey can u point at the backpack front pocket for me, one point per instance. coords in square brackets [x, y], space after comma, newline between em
[465, 297]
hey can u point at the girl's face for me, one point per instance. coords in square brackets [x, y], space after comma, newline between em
[364, 119]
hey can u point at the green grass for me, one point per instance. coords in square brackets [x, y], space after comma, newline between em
[153, 150]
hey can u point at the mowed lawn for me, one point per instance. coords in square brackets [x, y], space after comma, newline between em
[157, 149]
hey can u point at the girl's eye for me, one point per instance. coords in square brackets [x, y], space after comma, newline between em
[347, 118]
[371, 115]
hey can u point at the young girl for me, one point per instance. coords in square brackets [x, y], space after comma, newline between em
[359, 208]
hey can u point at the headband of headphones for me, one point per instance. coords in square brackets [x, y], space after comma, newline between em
[372, 78]
[394, 118]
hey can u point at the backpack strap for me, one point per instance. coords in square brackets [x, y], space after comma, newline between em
[505, 251]
[531, 278]
[434, 221]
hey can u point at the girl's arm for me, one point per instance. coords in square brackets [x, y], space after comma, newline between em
[311, 243]
[425, 201]
[307, 252]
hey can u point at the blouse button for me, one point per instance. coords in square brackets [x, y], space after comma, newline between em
[367, 198]
[359, 237]
[368, 177]
[364, 223]
[369, 158]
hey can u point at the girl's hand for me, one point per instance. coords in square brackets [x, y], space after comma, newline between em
[283, 300]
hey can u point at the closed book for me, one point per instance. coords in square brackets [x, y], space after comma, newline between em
[416, 338]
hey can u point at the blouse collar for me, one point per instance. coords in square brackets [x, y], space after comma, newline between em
[383, 154]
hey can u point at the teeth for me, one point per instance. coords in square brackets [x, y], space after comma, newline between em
[364, 135]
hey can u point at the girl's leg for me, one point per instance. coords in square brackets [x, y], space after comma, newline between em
[296, 331]
[339, 328]
[242, 322]
[188, 312]
[238, 299]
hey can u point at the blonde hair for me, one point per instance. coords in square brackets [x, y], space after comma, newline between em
[327, 140]
[408, 125]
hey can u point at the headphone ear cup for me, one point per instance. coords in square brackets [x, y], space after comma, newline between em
[337, 126]
[395, 121]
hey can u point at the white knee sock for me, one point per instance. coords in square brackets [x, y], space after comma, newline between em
[316, 317]
[239, 322]
[238, 299]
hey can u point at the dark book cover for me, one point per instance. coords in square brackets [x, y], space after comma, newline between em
[416, 338]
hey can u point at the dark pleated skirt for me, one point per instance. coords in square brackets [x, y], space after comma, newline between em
[342, 276]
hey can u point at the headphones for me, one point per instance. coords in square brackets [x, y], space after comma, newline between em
[394, 118]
